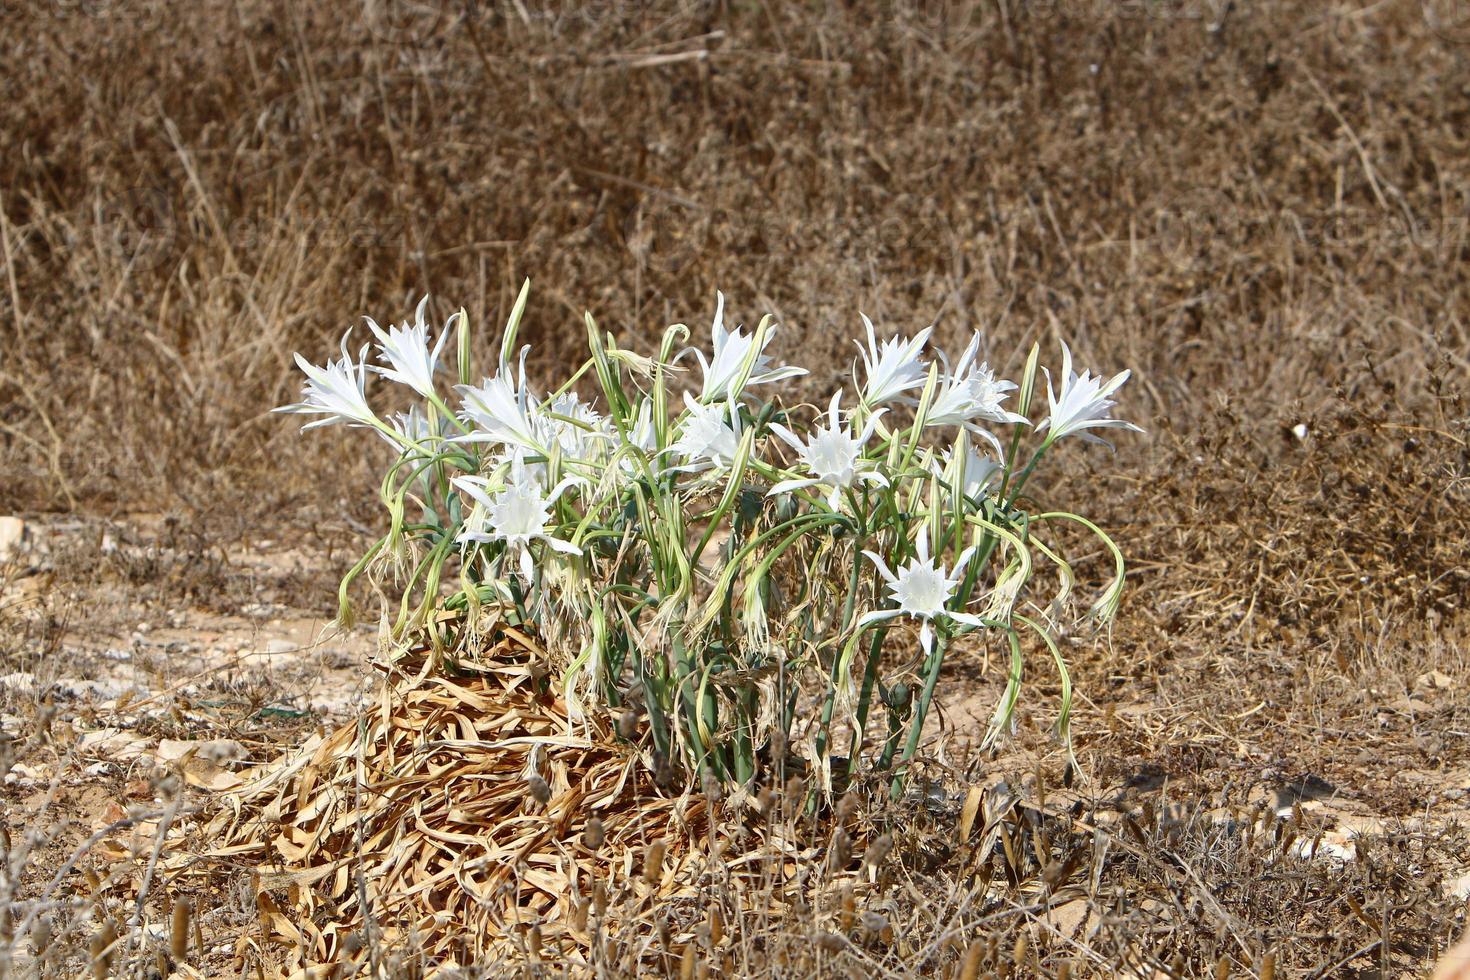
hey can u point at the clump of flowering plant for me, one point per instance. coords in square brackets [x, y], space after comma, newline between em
[749, 576]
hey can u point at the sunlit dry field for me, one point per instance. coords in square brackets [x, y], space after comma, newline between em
[1263, 209]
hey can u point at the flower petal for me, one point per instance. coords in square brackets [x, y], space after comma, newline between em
[876, 616]
[565, 547]
[883, 569]
[786, 486]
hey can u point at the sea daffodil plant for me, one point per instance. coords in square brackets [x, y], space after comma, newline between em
[746, 576]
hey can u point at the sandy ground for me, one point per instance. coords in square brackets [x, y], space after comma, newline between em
[134, 697]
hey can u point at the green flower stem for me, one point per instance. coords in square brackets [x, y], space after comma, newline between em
[865, 697]
[1025, 475]
[916, 727]
[344, 605]
[684, 673]
[897, 714]
[828, 704]
[444, 410]
[657, 722]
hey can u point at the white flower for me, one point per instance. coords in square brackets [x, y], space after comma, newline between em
[532, 465]
[1082, 403]
[832, 455]
[731, 349]
[642, 435]
[406, 351]
[576, 428]
[979, 472]
[892, 369]
[970, 394]
[922, 590]
[416, 428]
[706, 440]
[502, 409]
[516, 515]
[337, 391]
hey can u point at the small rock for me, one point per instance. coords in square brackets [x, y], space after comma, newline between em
[1070, 917]
[1435, 680]
[80, 690]
[112, 743]
[1411, 706]
[23, 775]
[20, 680]
[1334, 846]
[12, 536]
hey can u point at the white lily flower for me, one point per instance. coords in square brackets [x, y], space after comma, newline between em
[531, 463]
[922, 590]
[338, 391]
[642, 435]
[406, 351]
[731, 348]
[1082, 403]
[502, 409]
[516, 515]
[414, 426]
[579, 431]
[970, 394]
[833, 456]
[893, 368]
[978, 475]
[706, 439]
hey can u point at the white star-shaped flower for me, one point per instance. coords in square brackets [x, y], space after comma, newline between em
[338, 391]
[517, 515]
[922, 590]
[709, 436]
[406, 351]
[502, 409]
[731, 349]
[893, 368]
[971, 394]
[833, 455]
[572, 425]
[415, 428]
[1082, 403]
[979, 472]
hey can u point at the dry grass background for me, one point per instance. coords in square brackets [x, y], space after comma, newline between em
[1262, 208]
